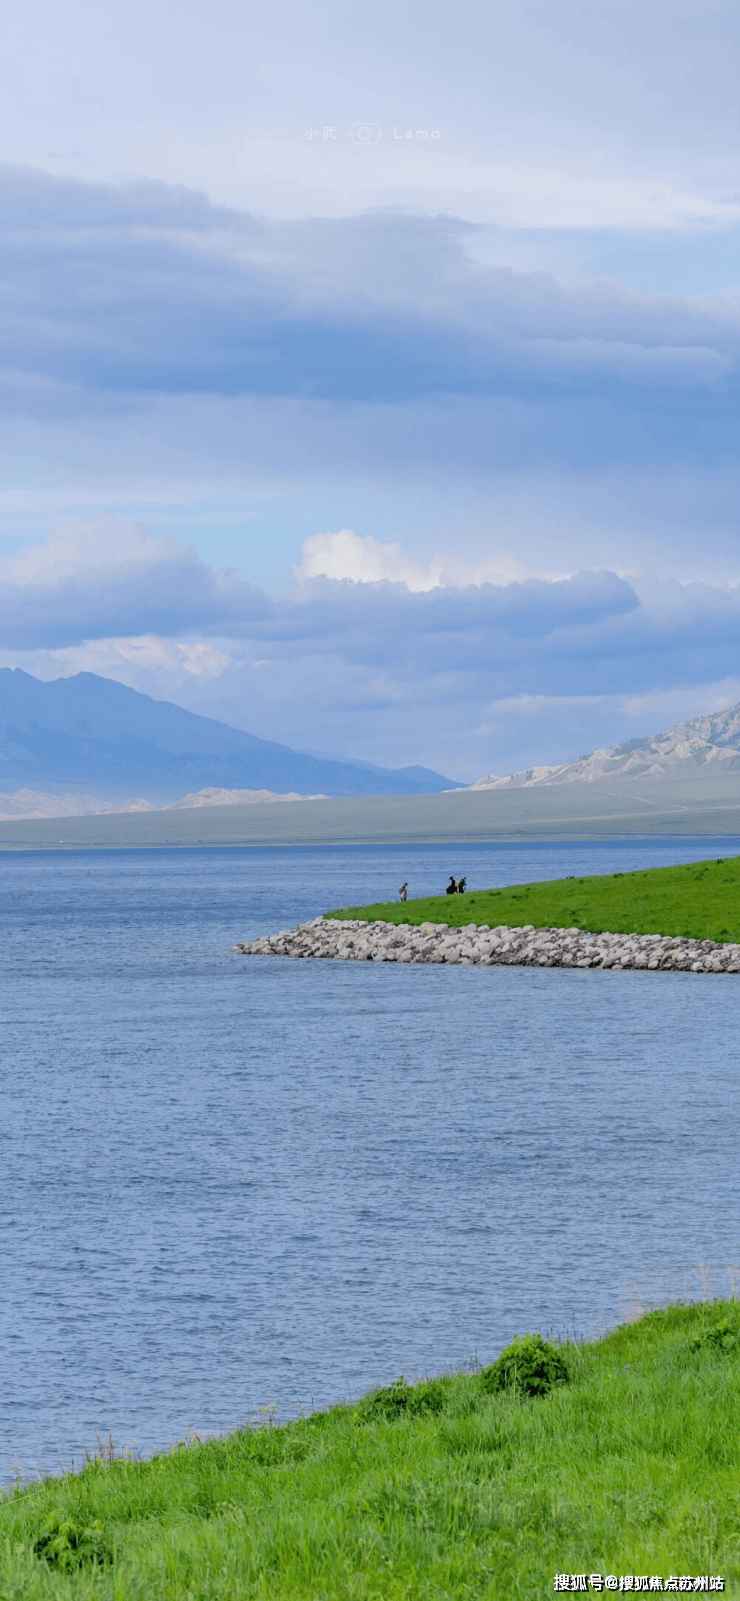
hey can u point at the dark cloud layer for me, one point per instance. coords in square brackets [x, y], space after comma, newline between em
[149, 288]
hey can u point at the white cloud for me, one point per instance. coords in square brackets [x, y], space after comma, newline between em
[146, 654]
[365, 560]
[515, 194]
[167, 669]
[105, 579]
[93, 546]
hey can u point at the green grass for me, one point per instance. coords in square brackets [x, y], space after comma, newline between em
[701, 901]
[633, 1466]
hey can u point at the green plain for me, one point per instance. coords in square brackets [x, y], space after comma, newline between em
[630, 1467]
[700, 900]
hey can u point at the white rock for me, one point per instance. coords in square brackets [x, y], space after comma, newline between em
[355, 940]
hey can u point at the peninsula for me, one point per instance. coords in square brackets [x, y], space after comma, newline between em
[698, 900]
[684, 919]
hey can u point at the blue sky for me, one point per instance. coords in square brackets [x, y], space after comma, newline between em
[414, 449]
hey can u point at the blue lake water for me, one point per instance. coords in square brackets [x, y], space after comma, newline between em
[230, 1182]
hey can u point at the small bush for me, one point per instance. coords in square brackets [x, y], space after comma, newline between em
[530, 1364]
[722, 1336]
[402, 1399]
[65, 1545]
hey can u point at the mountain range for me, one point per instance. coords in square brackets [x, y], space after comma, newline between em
[76, 734]
[34, 804]
[704, 742]
[84, 745]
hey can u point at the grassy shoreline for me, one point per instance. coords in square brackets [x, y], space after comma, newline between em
[631, 1466]
[700, 900]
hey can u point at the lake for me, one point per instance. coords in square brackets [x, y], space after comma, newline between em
[233, 1183]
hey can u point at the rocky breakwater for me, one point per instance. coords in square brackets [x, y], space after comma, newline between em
[479, 945]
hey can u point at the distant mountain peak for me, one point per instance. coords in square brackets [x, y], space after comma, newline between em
[708, 741]
[31, 804]
[104, 741]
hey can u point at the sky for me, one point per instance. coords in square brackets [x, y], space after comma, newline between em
[370, 374]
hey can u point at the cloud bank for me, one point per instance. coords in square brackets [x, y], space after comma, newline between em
[373, 662]
[139, 288]
[213, 370]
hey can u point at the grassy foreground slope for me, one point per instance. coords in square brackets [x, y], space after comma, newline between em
[700, 900]
[633, 1466]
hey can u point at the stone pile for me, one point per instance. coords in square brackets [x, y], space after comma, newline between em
[479, 945]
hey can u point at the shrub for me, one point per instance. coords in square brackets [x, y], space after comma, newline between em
[722, 1336]
[402, 1399]
[66, 1545]
[529, 1363]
